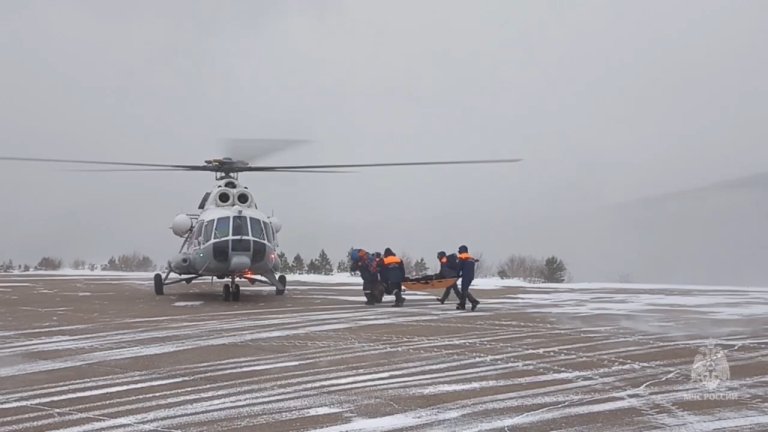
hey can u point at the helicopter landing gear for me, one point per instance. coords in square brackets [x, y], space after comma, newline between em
[232, 292]
[159, 284]
[281, 280]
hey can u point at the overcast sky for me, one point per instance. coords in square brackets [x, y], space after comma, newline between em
[606, 101]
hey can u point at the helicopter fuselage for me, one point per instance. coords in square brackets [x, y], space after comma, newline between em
[229, 239]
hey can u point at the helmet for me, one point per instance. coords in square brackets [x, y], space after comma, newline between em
[441, 254]
[463, 249]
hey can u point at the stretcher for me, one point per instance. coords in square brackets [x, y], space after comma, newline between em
[432, 286]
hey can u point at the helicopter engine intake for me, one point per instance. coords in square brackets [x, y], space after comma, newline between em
[244, 198]
[224, 198]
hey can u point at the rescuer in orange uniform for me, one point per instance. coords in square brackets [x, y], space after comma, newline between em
[467, 275]
[392, 275]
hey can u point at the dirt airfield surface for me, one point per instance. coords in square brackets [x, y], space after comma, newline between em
[102, 353]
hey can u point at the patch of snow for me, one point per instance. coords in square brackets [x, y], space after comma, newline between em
[191, 303]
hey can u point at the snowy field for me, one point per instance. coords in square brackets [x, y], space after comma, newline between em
[82, 351]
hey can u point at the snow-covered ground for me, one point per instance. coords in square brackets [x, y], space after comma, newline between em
[346, 278]
[566, 357]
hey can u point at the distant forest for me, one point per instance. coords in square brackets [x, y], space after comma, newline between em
[533, 269]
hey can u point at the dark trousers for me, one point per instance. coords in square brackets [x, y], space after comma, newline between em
[395, 288]
[465, 294]
[369, 291]
[447, 293]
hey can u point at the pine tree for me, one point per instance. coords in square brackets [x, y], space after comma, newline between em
[285, 266]
[554, 270]
[144, 264]
[420, 267]
[342, 266]
[325, 266]
[313, 267]
[111, 265]
[134, 262]
[48, 263]
[298, 264]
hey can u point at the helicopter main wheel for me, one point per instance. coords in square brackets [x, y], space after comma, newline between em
[159, 284]
[227, 292]
[236, 293]
[282, 281]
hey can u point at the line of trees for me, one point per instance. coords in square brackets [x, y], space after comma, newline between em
[533, 269]
[525, 267]
[133, 262]
[323, 265]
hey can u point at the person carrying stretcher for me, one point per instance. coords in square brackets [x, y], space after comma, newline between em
[392, 274]
[449, 267]
[364, 263]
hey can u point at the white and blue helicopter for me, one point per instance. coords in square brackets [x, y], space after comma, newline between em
[230, 238]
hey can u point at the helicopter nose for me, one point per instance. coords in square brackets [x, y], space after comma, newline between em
[239, 263]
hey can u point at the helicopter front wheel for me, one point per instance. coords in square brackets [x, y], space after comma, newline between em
[281, 281]
[159, 284]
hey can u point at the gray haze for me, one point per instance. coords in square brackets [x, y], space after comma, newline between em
[607, 102]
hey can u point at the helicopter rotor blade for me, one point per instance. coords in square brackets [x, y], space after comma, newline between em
[310, 171]
[127, 170]
[369, 165]
[206, 169]
[91, 162]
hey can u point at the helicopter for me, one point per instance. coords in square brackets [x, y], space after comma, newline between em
[230, 238]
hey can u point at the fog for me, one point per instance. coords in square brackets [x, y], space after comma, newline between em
[617, 108]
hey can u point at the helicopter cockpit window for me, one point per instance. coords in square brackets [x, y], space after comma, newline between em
[257, 231]
[198, 233]
[270, 233]
[239, 226]
[208, 231]
[222, 228]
